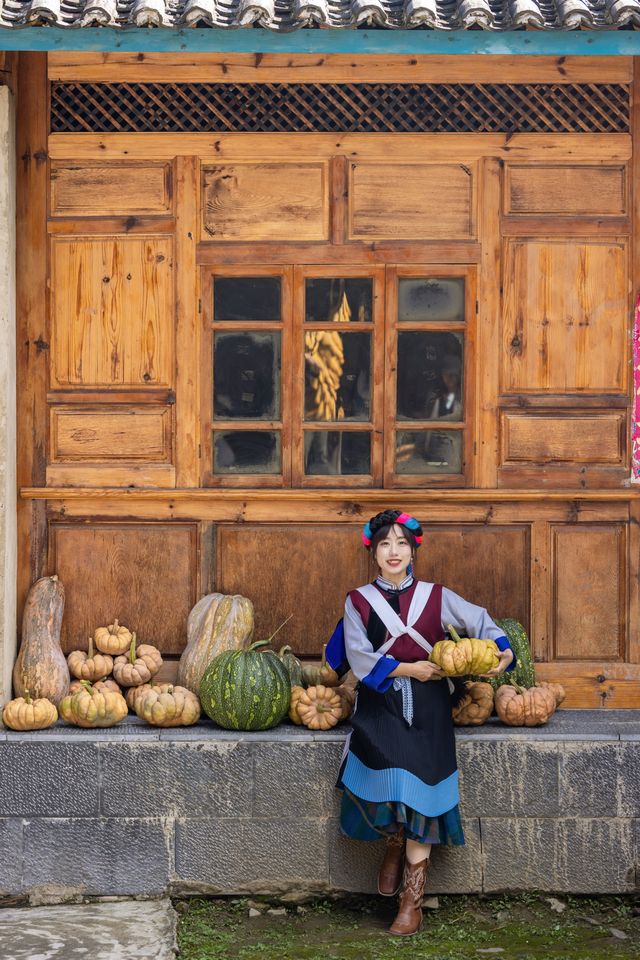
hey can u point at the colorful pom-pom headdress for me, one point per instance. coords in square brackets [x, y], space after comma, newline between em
[386, 519]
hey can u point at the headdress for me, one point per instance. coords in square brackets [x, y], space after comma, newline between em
[386, 519]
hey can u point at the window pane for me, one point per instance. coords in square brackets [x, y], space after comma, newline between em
[246, 451]
[337, 375]
[430, 366]
[246, 376]
[246, 298]
[336, 300]
[337, 452]
[431, 299]
[429, 451]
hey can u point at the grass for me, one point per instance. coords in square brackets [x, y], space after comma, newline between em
[524, 927]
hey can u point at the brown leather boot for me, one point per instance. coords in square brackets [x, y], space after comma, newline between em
[390, 872]
[409, 917]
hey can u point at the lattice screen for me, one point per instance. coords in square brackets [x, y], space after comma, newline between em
[340, 107]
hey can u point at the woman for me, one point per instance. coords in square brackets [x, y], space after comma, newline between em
[398, 775]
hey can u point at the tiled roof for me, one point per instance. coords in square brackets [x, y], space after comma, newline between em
[283, 15]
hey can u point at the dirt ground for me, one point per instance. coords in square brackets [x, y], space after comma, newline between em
[536, 926]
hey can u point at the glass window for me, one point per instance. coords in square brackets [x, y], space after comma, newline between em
[246, 376]
[338, 300]
[431, 299]
[337, 452]
[246, 298]
[429, 376]
[337, 375]
[428, 451]
[246, 451]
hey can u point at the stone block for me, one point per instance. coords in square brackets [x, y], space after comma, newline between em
[48, 779]
[600, 780]
[563, 855]
[206, 779]
[296, 779]
[499, 778]
[260, 856]
[10, 857]
[98, 857]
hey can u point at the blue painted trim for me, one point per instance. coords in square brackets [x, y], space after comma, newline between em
[246, 40]
[394, 783]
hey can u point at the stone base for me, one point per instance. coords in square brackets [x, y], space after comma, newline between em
[139, 811]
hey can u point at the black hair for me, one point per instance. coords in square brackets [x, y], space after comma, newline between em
[383, 522]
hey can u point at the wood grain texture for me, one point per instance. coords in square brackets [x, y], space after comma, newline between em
[188, 322]
[576, 438]
[565, 316]
[100, 475]
[411, 201]
[265, 201]
[589, 591]
[128, 433]
[112, 311]
[214, 254]
[566, 190]
[104, 190]
[145, 574]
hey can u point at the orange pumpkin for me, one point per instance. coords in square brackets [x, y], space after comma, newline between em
[319, 707]
[476, 705]
[558, 691]
[323, 674]
[138, 666]
[519, 707]
[90, 665]
[296, 693]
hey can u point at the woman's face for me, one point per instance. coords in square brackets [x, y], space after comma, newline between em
[393, 555]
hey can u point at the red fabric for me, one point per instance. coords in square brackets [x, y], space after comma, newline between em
[428, 624]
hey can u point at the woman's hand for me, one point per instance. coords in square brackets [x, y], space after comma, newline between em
[504, 659]
[424, 670]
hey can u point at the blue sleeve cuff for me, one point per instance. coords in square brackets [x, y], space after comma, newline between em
[379, 679]
[502, 643]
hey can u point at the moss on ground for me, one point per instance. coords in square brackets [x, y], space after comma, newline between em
[525, 927]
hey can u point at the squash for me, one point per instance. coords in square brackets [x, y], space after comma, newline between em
[41, 666]
[105, 684]
[23, 713]
[140, 664]
[314, 674]
[454, 656]
[93, 708]
[174, 707]
[89, 666]
[114, 639]
[319, 707]
[347, 698]
[246, 689]
[518, 707]
[558, 691]
[524, 671]
[476, 705]
[132, 694]
[292, 664]
[216, 623]
[296, 693]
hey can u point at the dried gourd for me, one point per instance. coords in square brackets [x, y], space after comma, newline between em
[216, 623]
[93, 708]
[23, 713]
[174, 707]
[41, 666]
[114, 639]
[322, 673]
[319, 707]
[138, 666]
[90, 665]
[519, 707]
[476, 705]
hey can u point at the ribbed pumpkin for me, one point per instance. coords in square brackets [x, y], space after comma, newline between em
[23, 713]
[101, 685]
[292, 664]
[216, 623]
[322, 673]
[132, 694]
[246, 689]
[114, 639]
[320, 707]
[138, 666]
[296, 693]
[518, 707]
[93, 708]
[454, 657]
[91, 665]
[476, 705]
[41, 666]
[558, 690]
[173, 707]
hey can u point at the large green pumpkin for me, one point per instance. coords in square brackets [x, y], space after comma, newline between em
[524, 672]
[246, 689]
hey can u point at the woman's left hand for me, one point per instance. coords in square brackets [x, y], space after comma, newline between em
[504, 659]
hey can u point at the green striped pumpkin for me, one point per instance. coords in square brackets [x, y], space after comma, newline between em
[524, 672]
[246, 689]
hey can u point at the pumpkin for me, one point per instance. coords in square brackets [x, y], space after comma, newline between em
[314, 674]
[114, 639]
[105, 684]
[174, 707]
[476, 705]
[41, 666]
[558, 691]
[454, 657]
[93, 708]
[296, 693]
[23, 713]
[519, 707]
[246, 689]
[319, 707]
[89, 666]
[138, 666]
[216, 623]
[524, 672]
[347, 698]
[132, 694]
[292, 664]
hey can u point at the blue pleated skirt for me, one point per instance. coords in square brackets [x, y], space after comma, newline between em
[371, 820]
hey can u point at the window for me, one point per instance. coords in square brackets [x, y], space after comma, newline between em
[340, 375]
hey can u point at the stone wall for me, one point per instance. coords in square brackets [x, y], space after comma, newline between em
[140, 811]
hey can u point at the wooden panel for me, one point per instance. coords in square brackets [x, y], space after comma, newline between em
[487, 565]
[103, 190]
[589, 589]
[112, 311]
[566, 190]
[265, 201]
[554, 437]
[418, 201]
[188, 326]
[143, 573]
[128, 433]
[566, 316]
[266, 564]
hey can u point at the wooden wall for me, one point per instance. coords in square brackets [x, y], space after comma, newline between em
[120, 234]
